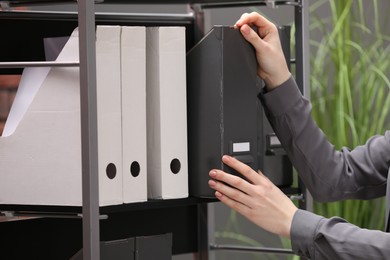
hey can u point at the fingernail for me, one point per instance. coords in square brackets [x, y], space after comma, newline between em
[245, 29]
[218, 194]
[226, 158]
[212, 174]
[212, 183]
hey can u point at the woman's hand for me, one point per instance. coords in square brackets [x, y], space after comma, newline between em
[258, 199]
[272, 66]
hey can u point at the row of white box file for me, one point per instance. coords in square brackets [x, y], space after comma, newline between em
[142, 123]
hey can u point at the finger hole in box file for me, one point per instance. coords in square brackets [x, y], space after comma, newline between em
[111, 171]
[135, 169]
[175, 166]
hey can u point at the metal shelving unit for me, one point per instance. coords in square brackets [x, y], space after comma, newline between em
[195, 214]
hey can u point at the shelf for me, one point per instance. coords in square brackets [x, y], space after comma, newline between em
[61, 237]
[137, 206]
[180, 217]
[34, 26]
[148, 205]
[230, 2]
[103, 17]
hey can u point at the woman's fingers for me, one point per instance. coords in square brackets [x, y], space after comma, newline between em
[221, 177]
[242, 168]
[258, 199]
[252, 37]
[252, 18]
[227, 189]
[264, 25]
[233, 204]
[232, 191]
[272, 66]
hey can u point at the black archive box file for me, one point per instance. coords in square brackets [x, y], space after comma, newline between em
[223, 108]
[224, 112]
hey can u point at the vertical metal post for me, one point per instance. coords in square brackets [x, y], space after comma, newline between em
[303, 71]
[89, 145]
[210, 230]
[303, 47]
[199, 26]
[206, 232]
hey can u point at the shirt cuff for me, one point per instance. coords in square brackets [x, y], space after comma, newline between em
[303, 229]
[282, 98]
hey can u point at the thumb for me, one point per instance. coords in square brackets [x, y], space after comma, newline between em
[251, 36]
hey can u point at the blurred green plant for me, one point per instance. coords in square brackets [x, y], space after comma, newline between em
[350, 87]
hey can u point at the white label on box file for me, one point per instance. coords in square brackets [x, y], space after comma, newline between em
[241, 147]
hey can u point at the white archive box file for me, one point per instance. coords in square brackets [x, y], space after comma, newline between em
[133, 66]
[40, 150]
[166, 113]
[109, 113]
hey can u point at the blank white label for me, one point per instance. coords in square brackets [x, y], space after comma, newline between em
[241, 147]
[274, 141]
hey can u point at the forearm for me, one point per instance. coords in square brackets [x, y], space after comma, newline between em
[328, 174]
[317, 237]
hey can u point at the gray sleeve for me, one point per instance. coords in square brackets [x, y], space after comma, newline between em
[317, 238]
[329, 174]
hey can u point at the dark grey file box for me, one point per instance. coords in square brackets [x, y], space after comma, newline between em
[154, 247]
[223, 108]
[224, 113]
[135, 248]
[123, 249]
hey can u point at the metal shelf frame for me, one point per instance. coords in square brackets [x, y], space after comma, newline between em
[89, 139]
[86, 21]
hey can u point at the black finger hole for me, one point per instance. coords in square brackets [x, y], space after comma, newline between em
[175, 166]
[111, 171]
[135, 169]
